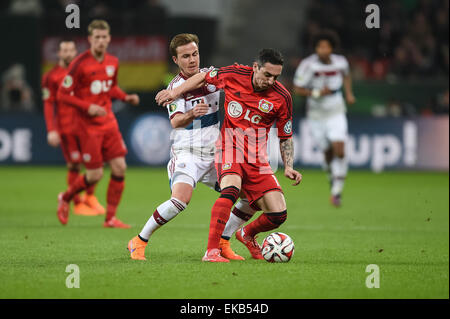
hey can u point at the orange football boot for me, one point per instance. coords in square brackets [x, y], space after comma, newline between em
[115, 223]
[63, 209]
[92, 202]
[213, 255]
[227, 252]
[84, 210]
[251, 244]
[136, 246]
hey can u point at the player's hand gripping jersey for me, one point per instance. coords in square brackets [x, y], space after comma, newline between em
[249, 115]
[92, 82]
[313, 74]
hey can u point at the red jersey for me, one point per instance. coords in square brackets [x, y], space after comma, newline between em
[92, 82]
[58, 116]
[250, 114]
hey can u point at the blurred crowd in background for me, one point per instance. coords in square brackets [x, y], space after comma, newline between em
[412, 44]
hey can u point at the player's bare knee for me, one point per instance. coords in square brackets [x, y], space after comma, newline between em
[94, 175]
[119, 168]
[74, 166]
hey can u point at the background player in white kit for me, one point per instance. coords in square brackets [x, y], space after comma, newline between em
[195, 119]
[320, 78]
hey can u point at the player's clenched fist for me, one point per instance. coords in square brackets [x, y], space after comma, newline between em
[133, 99]
[96, 110]
[200, 109]
[53, 138]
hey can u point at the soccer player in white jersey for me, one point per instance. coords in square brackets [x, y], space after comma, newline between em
[195, 119]
[320, 77]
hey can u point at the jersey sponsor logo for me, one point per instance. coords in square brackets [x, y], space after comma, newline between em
[45, 93]
[226, 166]
[98, 86]
[110, 70]
[288, 127]
[213, 73]
[68, 81]
[211, 88]
[172, 107]
[181, 165]
[234, 109]
[265, 106]
[255, 118]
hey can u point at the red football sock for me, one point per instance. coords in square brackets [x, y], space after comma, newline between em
[219, 216]
[265, 222]
[75, 187]
[90, 190]
[115, 190]
[72, 175]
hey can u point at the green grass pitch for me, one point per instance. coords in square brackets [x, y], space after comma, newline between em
[396, 220]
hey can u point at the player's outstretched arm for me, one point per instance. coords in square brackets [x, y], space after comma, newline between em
[165, 97]
[287, 154]
[349, 97]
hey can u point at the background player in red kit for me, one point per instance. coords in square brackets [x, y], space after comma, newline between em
[89, 86]
[254, 100]
[61, 127]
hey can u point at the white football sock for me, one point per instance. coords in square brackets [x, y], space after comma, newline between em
[235, 222]
[339, 168]
[165, 212]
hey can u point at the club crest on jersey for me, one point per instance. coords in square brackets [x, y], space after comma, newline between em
[213, 73]
[265, 106]
[288, 127]
[110, 69]
[234, 109]
[226, 166]
[211, 88]
[68, 81]
[172, 107]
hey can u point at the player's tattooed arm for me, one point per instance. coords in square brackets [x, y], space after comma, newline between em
[287, 154]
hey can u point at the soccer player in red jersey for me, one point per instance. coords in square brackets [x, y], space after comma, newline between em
[90, 84]
[254, 100]
[61, 127]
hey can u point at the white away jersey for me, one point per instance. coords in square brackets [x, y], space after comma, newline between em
[313, 74]
[200, 136]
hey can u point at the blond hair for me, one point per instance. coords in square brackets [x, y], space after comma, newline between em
[98, 25]
[182, 39]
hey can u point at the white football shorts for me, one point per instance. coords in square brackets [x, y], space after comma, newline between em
[329, 129]
[188, 168]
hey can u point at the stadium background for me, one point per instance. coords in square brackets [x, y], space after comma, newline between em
[400, 71]
[399, 128]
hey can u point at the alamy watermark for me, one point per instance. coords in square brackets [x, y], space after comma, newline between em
[373, 19]
[373, 279]
[73, 19]
[73, 279]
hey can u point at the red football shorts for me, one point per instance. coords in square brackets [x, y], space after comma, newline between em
[98, 147]
[70, 146]
[256, 180]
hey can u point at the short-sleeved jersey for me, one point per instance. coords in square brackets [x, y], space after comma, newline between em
[92, 82]
[313, 74]
[200, 136]
[250, 114]
[58, 116]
